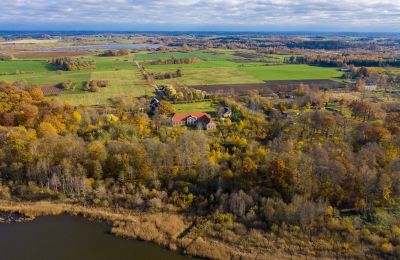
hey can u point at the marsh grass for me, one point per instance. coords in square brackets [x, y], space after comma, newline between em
[165, 229]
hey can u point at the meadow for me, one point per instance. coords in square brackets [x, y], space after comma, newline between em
[228, 68]
[217, 67]
[220, 55]
[291, 72]
[206, 107]
[35, 66]
[122, 83]
[124, 77]
[226, 72]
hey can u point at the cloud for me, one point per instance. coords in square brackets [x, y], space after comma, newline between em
[268, 15]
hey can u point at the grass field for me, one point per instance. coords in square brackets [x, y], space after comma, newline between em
[208, 76]
[24, 65]
[226, 68]
[206, 107]
[122, 83]
[210, 72]
[291, 72]
[126, 80]
[124, 77]
[179, 55]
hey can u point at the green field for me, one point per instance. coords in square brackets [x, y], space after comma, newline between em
[210, 72]
[122, 83]
[209, 76]
[226, 68]
[124, 77]
[126, 80]
[206, 107]
[291, 72]
[180, 55]
[24, 65]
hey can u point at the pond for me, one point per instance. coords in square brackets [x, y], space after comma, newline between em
[67, 237]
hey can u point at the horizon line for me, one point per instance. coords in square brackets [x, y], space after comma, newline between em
[195, 30]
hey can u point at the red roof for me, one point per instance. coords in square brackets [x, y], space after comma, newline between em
[199, 115]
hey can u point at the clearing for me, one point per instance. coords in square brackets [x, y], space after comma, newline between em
[122, 83]
[203, 106]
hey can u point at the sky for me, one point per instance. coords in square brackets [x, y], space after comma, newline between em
[202, 15]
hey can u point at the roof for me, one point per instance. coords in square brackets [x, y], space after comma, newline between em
[154, 100]
[50, 90]
[200, 115]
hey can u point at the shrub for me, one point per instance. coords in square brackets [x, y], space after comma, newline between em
[154, 203]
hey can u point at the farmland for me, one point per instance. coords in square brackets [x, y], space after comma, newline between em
[221, 67]
[217, 67]
[224, 69]
[121, 72]
[269, 86]
[190, 54]
[291, 72]
[208, 73]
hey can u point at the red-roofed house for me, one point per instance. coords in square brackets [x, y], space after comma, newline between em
[200, 120]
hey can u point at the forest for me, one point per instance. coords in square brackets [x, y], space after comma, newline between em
[326, 182]
[344, 60]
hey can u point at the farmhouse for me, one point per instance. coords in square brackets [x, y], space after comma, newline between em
[154, 104]
[370, 86]
[199, 120]
[224, 112]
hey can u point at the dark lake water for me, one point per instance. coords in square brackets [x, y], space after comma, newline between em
[73, 238]
[103, 47]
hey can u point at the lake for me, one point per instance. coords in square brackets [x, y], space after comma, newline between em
[67, 237]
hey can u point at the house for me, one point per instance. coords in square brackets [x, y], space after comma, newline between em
[345, 70]
[370, 86]
[224, 112]
[199, 120]
[154, 103]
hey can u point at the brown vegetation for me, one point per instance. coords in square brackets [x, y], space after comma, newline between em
[50, 90]
[165, 229]
[269, 86]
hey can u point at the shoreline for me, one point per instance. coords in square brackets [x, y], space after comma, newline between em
[169, 230]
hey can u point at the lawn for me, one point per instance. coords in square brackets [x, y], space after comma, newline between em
[206, 107]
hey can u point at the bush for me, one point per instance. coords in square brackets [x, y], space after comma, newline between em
[154, 203]
[4, 192]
